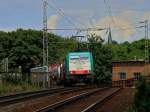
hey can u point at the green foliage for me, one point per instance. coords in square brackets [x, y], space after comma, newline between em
[102, 60]
[128, 51]
[142, 99]
[24, 48]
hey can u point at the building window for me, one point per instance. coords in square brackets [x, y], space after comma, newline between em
[137, 75]
[122, 75]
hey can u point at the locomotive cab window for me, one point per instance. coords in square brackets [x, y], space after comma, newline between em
[122, 75]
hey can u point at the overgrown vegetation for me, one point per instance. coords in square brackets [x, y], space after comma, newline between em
[142, 97]
[7, 88]
[14, 82]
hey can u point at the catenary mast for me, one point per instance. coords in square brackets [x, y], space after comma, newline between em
[45, 35]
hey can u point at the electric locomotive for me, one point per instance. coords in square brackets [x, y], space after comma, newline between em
[78, 68]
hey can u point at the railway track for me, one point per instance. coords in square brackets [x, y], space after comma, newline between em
[99, 102]
[120, 102]
[77, 103]
[21, 97]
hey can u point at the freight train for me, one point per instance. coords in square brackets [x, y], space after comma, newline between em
[77, 68]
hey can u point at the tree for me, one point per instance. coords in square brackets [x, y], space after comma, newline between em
[24, 48]
[102, 60]
[142, 99]
[128, 51]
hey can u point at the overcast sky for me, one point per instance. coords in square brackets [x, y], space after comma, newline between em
[78, 14]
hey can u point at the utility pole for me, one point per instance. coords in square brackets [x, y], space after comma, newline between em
[45, 43]
[45, 36]
[146, 46]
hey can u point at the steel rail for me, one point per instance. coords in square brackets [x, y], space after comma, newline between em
[12, 99]
[24, 93]
[53, 107]
[99, 102]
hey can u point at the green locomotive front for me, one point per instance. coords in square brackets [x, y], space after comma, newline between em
[79, 67]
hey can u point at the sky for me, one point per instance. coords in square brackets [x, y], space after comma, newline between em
[116, 14]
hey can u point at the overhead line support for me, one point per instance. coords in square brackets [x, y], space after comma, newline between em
[45, 35]
[146, 45]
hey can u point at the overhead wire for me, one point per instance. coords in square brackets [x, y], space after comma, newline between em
[129, 28]
[116, 27]
[96, 29]
[69, 18]
[61, 14]
[108, 12]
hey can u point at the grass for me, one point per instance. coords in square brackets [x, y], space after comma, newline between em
[10, 88]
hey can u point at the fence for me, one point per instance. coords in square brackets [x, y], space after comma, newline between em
[128, 82]
[123, 83]
[14, 77]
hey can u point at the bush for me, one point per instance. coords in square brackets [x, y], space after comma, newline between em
[142, 96]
